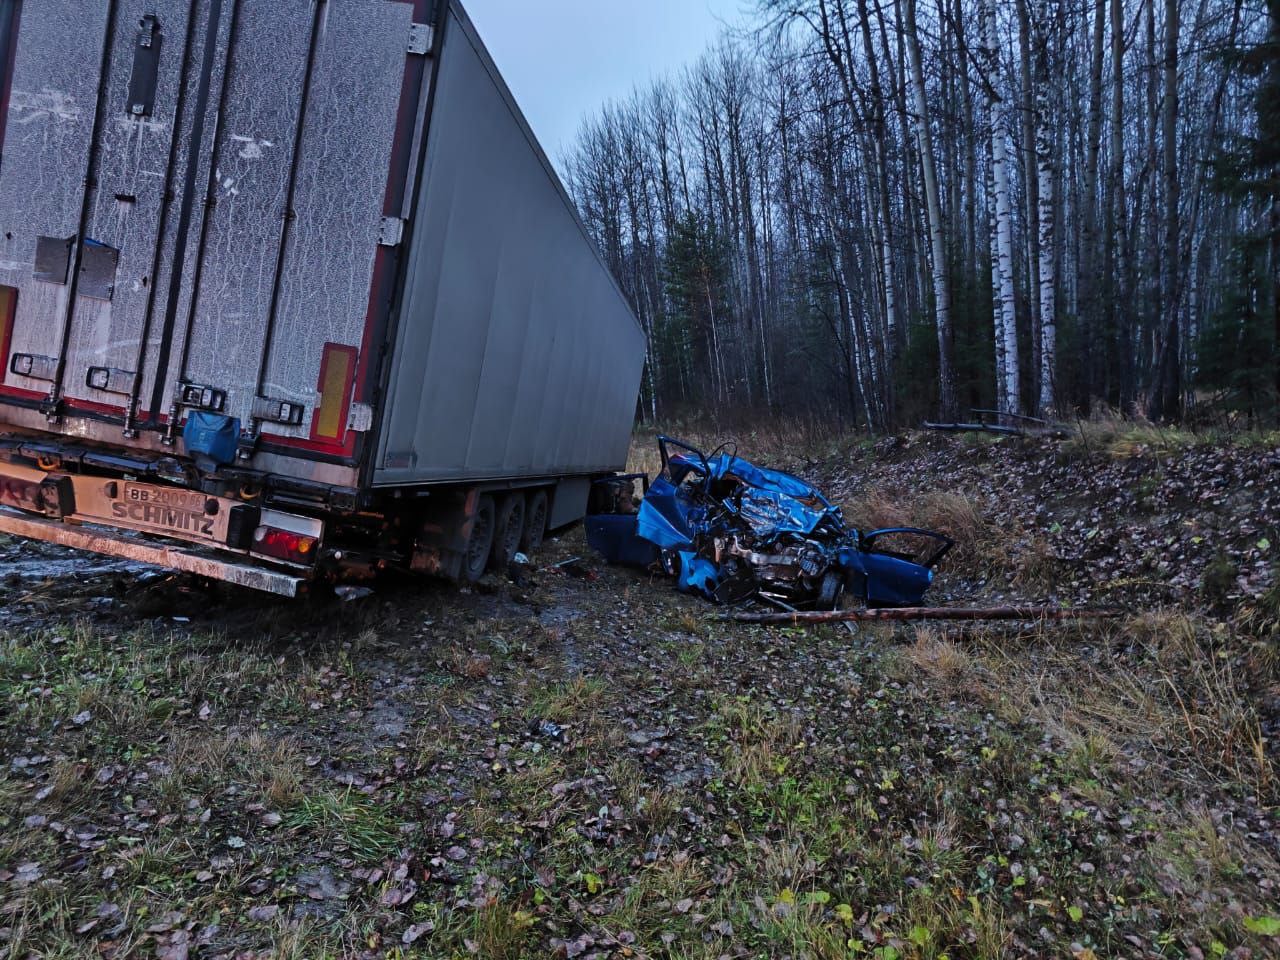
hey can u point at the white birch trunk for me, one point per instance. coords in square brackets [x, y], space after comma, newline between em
[1046, 15]
[1002, 399]
[1002, 263]
[941, 282]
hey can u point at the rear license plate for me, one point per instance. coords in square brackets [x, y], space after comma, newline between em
[174, 511]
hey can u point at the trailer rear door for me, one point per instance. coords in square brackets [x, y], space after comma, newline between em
[193, 194]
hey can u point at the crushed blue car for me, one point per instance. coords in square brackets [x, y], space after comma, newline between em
[732, 531]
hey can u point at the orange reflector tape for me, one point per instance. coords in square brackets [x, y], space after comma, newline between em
[337, 376]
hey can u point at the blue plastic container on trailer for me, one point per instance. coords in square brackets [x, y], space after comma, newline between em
[212, 435]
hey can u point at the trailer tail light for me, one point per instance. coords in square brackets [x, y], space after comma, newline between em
[337, 377]
[284, 545]
[287, 537]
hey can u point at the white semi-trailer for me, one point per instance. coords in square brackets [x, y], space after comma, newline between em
[289, 291]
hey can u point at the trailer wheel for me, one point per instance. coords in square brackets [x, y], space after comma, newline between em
[535, 522]
[481, 541]
[509, 532]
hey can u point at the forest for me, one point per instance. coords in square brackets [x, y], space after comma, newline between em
[883, 211]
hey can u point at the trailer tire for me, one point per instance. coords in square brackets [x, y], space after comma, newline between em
[508, 532]
[535, 522]
[480, 543]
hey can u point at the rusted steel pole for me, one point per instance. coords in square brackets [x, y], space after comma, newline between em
[927, 613]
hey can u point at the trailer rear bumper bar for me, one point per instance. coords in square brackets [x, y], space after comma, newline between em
[135, 547]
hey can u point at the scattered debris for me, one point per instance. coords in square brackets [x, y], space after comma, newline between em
[730, 531]
[347, 593]
[547, 728]
[1036, 427]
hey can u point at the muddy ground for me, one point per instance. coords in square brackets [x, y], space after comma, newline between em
[580, 762]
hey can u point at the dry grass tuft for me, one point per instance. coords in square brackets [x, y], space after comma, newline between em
[1159, 690]
[67, 781]
[878, 507]
[1121, 439]
[940, 659]
[979, 543]
[1034, 564]
[468, 664]
[955, 515]
[1114, 436]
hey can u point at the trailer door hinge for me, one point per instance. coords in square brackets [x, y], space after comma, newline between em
[421, 37]
[391, 232]
[360, 418]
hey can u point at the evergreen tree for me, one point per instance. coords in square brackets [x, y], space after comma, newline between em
[695, 275]
[1238, 348]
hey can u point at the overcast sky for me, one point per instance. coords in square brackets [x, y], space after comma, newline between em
[564, 58]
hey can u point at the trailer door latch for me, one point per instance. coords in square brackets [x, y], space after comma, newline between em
[421, 37]
[34, 366]
[391, 232]
[110, 380]
[277, 411]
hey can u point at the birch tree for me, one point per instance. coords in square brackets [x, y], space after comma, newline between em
[937, 242]
[796, 217]
[1047, 15]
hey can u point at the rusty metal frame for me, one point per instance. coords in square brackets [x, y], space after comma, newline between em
[118, 544]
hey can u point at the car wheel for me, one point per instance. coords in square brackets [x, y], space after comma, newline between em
[830, 590]
[508, 532]
[535, 522]
[481, 541]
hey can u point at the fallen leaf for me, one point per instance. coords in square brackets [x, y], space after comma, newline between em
[417, 930]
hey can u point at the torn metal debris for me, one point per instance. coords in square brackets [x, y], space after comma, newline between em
[729, 530]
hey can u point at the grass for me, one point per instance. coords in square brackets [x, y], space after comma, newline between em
[567, 700]
[895, 793]
[828, 827]
[346, 820]
[1158, 688]
[1119, 438]
[788, 442]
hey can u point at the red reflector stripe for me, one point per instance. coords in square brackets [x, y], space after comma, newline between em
[337, 377]
[8, 313]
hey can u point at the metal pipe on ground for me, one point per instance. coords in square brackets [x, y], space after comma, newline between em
[901, 614]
